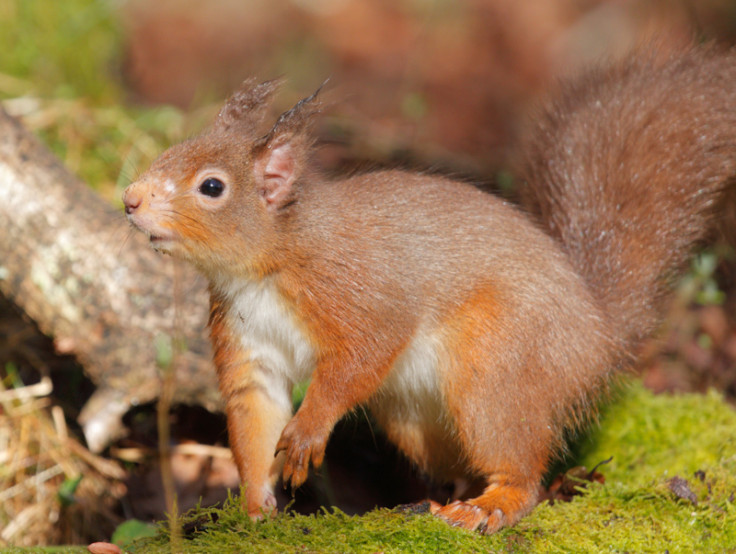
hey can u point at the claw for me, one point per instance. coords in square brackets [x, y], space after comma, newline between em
[464, 515]
[470, 516]
[300, 447]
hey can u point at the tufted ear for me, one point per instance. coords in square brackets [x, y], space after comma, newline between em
[248, 105]
[281, 156]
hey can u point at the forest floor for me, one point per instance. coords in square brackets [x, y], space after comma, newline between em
[75, 75]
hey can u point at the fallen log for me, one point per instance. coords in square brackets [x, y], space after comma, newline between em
[69, 260]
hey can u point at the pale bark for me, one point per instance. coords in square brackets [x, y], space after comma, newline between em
[69, 260]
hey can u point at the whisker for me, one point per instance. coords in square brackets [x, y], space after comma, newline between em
[109, 213]
[125, 241]
[187, 217]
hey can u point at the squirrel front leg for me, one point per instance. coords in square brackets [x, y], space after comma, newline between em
[338, 385]
[258, 407]
[254, 421]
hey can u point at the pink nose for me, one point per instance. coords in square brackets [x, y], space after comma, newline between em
[132, 200]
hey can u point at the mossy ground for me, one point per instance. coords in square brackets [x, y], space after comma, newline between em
[651, 439]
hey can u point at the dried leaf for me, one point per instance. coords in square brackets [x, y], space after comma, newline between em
[567, 485]
[682, 489]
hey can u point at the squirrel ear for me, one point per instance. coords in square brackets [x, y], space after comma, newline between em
[281, 155]
[276, 169]
[248, 105]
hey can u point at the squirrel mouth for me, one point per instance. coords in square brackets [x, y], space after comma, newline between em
[161, 243]
[159, 237]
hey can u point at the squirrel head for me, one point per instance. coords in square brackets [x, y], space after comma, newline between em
[219, 200]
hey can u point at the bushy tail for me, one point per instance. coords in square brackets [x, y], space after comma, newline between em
[627, 167]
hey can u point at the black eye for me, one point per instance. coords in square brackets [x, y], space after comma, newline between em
[212, 187]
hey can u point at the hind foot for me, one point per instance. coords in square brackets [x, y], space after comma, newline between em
[499, 506]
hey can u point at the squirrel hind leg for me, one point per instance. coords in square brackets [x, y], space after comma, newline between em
[502, 409]
[499, 506]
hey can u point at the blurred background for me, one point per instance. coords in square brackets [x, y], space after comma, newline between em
[439, 79]
[437, 84]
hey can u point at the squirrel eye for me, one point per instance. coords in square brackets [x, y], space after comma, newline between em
[212, 187]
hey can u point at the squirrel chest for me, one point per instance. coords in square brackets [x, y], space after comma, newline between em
[268, 333]
[276, 342]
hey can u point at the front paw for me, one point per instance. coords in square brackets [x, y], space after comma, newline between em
[300, 445]
[259, 503]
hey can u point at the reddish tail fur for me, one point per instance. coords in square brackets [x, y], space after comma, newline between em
[626, 168]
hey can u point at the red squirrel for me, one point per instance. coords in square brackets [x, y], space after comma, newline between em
[474, 331]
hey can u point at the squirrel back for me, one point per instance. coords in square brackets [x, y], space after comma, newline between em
[626, 168]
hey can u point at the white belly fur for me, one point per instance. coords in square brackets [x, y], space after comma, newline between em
[412, 389]
[275, 339]
[411, 408]
[272, 336]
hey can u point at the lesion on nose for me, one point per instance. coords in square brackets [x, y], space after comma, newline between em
[132, 199]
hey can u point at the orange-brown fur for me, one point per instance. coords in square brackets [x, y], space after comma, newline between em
[245, 402]
[475, 338]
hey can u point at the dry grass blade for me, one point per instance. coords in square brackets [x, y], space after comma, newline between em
[52, 489]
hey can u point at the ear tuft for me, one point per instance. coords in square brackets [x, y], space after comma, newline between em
[298, 118]
[248, 105]
[280, 157]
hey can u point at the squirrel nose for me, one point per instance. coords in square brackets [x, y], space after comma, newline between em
[132, 200]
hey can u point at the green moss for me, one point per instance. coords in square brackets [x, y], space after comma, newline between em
[46, 550]
[651, 438]
[331, 531]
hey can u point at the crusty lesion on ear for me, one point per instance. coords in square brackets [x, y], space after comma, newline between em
[281, 156]
[248, 105]
[298, 118]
